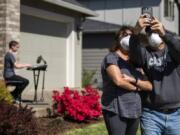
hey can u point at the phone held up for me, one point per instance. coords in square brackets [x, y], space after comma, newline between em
[148, 12]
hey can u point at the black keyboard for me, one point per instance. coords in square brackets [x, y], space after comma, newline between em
[38, 67]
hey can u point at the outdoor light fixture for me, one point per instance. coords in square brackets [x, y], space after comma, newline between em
[79, 27]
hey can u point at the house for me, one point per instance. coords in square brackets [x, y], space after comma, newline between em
[50, 28]
[98, 36]
[96, 41]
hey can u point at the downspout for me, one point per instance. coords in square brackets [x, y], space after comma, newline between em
[178, 6]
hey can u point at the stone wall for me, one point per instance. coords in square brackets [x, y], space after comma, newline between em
[9, 25]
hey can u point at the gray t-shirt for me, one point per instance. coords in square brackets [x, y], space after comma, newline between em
[9, 61]
[115, 99]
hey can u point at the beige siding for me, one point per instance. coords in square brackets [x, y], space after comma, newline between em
[49, 39]
[53, 51]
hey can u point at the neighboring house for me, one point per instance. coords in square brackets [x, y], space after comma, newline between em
[119, 12]
[51, 28]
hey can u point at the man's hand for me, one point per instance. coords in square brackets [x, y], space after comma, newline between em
[141, 23]
[28, 65]
[157, 27]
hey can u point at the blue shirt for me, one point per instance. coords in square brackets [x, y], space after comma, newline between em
[9, 61]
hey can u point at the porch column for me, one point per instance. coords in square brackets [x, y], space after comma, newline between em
[9, 25]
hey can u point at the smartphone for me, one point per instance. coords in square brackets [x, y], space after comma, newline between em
[148, 12]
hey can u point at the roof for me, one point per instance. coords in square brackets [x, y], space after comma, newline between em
[73, 5]
[74, 2]
[94, 26]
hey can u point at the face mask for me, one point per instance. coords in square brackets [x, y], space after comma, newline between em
[154, 40]
[124, 42]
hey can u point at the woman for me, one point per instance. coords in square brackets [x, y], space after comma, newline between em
[122, 82]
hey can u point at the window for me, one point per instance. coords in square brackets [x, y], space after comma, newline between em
[169, 9]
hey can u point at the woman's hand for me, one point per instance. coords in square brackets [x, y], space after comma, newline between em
[117, 77]
[129, 78]
[140, 84]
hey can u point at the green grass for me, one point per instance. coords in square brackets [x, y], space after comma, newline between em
[94, 129]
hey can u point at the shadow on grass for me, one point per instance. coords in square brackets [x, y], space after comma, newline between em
[94, 129]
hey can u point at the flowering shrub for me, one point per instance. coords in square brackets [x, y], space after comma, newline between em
[80, 106]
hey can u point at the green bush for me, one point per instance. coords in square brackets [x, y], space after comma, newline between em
[87, 77]
[4, 93]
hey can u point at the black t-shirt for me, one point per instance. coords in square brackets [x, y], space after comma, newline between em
[116, 99]
[162, 71]
[9, 61]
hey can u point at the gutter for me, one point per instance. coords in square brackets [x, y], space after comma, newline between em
[73, 7]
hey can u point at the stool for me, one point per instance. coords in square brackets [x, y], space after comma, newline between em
[13, 83]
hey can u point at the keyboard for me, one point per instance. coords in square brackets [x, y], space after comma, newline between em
[38, 67]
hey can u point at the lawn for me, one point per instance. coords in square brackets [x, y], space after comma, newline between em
[94, 129]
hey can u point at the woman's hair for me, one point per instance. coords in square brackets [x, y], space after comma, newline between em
[116, 45]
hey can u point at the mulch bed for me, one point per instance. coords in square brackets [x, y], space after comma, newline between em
[58, 125]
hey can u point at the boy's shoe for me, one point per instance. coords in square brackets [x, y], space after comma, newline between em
[16, 101]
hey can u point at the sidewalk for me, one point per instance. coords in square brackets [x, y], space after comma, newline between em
[40, 106]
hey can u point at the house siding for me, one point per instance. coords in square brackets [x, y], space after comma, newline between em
[95, 47]
[127, 11]
[10, 11]
[120, 12]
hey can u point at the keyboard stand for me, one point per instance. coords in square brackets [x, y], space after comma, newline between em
[36, 81]
[36, 73]
[42, 92]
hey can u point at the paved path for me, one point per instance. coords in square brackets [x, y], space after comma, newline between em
[40, 106]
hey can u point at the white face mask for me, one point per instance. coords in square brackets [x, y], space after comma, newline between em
[154, 40]
[124, 42]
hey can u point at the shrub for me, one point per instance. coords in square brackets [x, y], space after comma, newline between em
[79, 106]
[87, 77]
[4, 93]
[17, 121]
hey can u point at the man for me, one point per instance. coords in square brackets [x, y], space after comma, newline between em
[10, 77]
[160, 60]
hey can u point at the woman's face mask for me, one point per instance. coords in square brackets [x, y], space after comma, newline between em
[124, 43]
[154, 40]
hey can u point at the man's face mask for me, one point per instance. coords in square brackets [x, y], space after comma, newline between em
[124, 43]
[154, 40]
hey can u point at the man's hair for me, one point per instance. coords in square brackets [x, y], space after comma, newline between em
[13, 43]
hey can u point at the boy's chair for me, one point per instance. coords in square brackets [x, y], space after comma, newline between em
[13, 83]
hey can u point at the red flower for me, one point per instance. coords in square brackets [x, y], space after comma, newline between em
[80, 106]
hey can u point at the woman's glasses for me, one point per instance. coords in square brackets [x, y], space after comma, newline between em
[124, 34]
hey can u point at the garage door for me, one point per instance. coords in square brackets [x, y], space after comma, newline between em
[47, 38]
[94, 52]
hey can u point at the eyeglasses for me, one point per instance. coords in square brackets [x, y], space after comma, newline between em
[124, 34]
